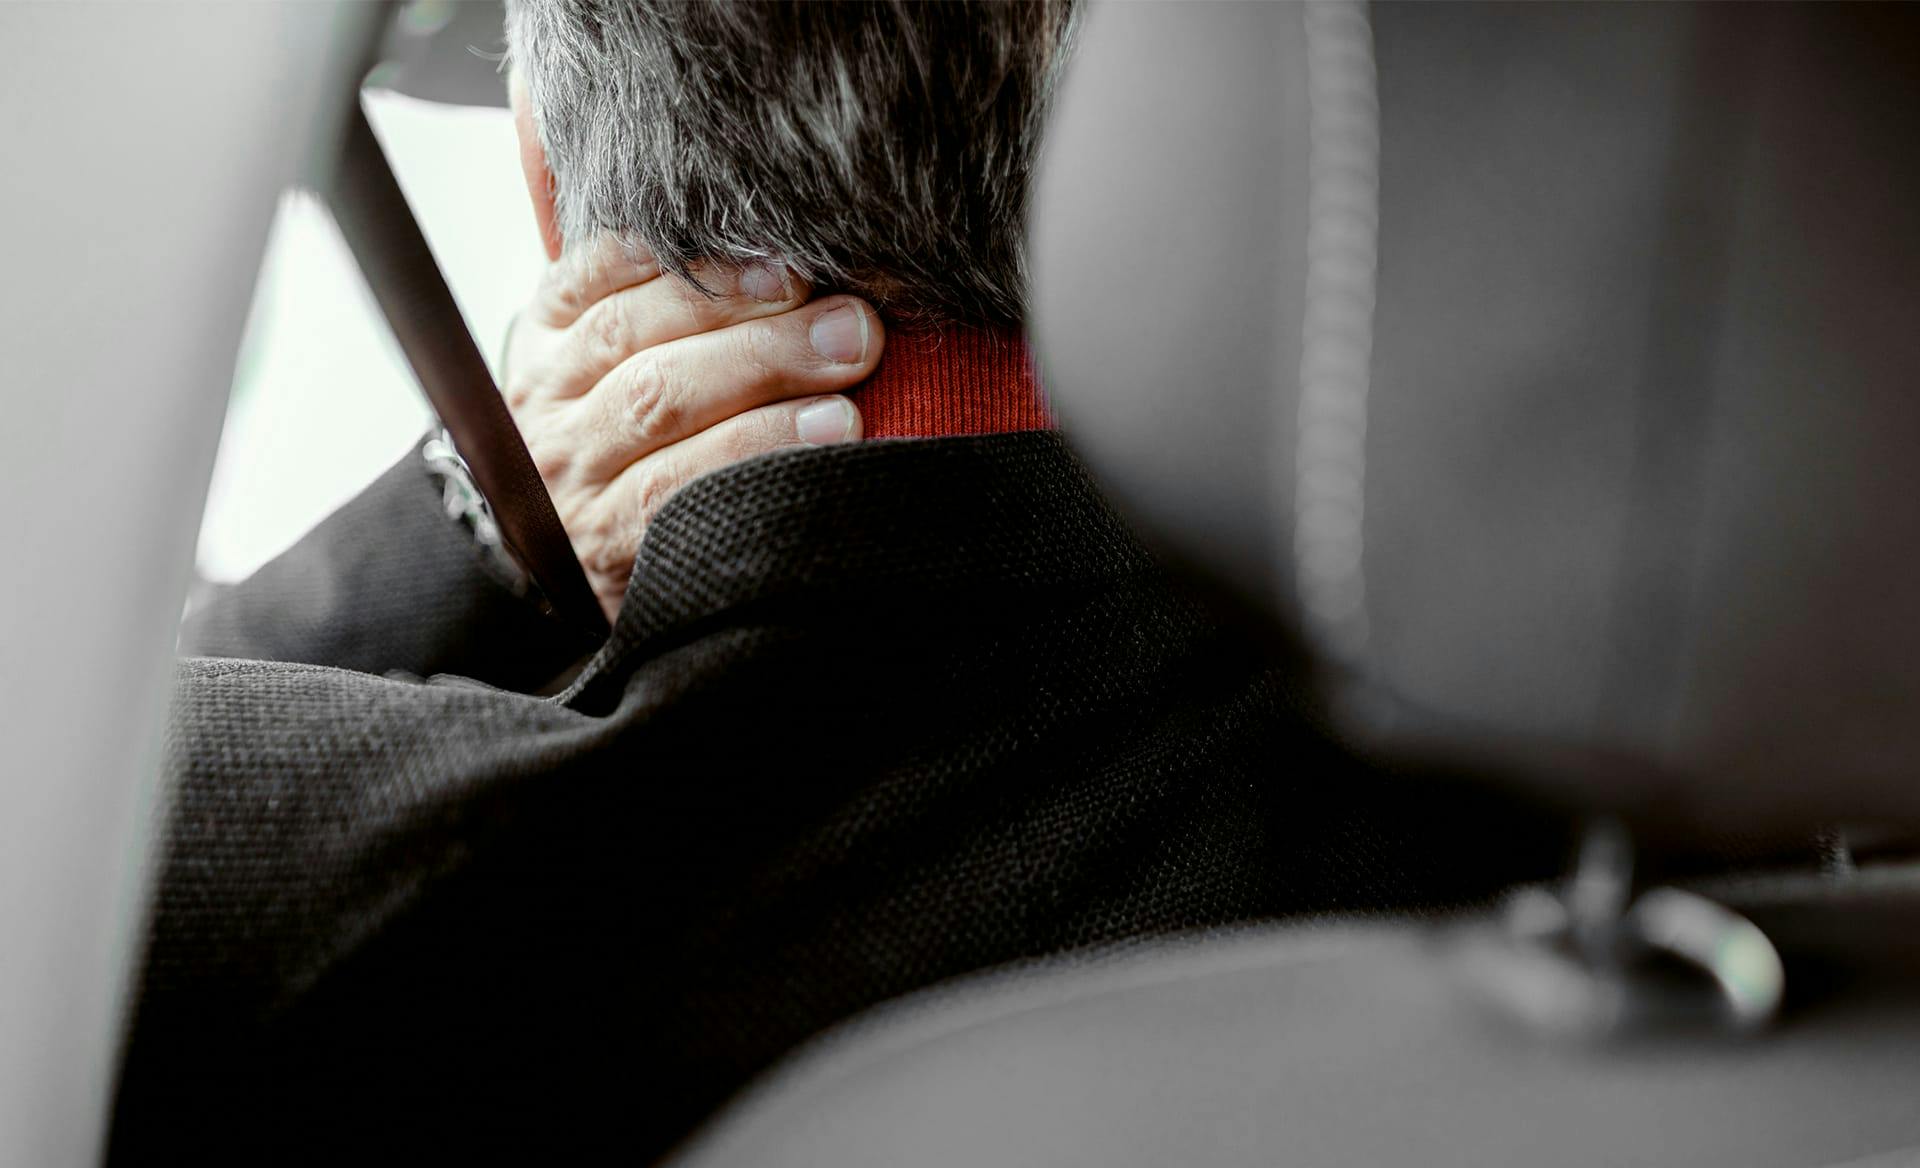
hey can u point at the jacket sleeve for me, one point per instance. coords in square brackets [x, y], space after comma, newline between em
[388, 583]
[316, 818]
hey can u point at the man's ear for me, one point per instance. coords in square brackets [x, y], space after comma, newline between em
[533, 164]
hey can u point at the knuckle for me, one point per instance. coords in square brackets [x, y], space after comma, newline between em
[741, 445]
[552, 459]
[654, 409]
[780, 428]
[526, 373]
[602, 562]
[607, 329]
[604, 550]
[755, 434]
[560, 293]
[522, 386]
[572, 507]
[657, 484]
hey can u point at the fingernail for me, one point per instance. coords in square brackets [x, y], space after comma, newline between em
[825, 422]
[763, 282]
[840, 335]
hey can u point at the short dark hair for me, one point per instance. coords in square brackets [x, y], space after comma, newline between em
[881, 148]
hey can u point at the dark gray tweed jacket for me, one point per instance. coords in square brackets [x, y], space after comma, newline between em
[871, 717]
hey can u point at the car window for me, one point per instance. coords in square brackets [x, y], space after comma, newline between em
[322, 400]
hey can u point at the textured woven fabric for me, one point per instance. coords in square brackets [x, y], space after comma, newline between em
[871, 717]
[385, 583]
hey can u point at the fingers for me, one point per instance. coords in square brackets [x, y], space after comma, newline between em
[609, 539]
[643, 488]
[585, 275]
[671, 309]
[627, 384]
[597, 306]
[671, 393]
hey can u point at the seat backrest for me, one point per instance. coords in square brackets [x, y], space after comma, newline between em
[146, 147]
[1327, 1046]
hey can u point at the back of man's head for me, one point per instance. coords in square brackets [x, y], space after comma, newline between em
[879, 148]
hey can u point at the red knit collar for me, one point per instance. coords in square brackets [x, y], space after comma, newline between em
[950, 381]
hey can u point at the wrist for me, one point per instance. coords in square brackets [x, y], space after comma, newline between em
[463, 503]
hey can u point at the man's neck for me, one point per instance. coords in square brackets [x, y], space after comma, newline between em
[952, 380]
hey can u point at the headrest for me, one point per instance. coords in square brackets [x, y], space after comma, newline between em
[1548, 371]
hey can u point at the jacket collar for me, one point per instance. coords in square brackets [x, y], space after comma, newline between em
[880, 536]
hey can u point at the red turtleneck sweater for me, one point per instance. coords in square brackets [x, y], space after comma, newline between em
[935, 383]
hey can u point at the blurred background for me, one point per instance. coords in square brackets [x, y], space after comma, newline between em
[322, 400]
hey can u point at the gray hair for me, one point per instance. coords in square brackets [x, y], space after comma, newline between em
[876, 148]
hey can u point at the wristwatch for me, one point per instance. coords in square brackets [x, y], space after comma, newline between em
[465, 505]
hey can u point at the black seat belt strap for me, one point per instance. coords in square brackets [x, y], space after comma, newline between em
[406, 281]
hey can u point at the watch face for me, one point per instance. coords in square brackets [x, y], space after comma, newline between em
[466, 504]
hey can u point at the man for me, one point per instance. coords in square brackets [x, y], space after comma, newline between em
[872, 713]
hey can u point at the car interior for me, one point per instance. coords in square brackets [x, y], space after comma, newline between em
[1544, 384]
